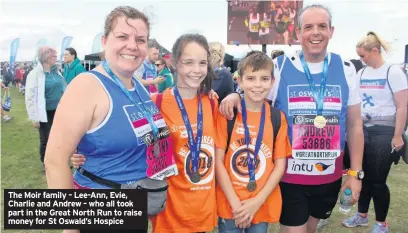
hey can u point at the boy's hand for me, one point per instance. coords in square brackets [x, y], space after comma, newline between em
[77, 160]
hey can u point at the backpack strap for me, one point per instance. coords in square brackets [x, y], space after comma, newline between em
[388, 82]
[276, 122]
[230, 127]
[392, 93]
[212, 106]
[275, 119]
[362, 72]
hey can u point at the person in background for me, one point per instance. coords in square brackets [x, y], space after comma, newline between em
[383, 90]
[169, 64]
[253, 24]
[285, 17]
[72, 66]
[265, 23]
[222, 83]
[149, 78]
[4, 114]
[235, 76]
[163, 71]
[27, 69]
[7, 75]
[19, 77]
[44, 89]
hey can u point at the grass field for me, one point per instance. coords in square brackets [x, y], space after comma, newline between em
[21, 168]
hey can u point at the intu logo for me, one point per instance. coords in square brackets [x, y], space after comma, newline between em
[309, 167]
[302, 167]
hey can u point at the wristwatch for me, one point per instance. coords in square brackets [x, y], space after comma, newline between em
[358, 174]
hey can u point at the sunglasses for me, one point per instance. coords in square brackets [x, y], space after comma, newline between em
[158, 64]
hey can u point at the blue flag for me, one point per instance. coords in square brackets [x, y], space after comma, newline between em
[66, 42]
[13, 53]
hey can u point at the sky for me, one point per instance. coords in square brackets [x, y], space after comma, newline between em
[83, 19]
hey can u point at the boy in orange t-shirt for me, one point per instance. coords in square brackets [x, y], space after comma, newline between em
[249, 169]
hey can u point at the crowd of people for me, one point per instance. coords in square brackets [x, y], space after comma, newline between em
[268, 144]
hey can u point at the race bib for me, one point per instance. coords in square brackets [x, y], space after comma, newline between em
[255, 27]
[311, 143]
[160, 159]
[152, 88]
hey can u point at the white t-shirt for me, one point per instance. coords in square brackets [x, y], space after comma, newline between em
[377, 98]
[315, 68]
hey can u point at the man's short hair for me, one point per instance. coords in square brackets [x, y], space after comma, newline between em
[153, 44]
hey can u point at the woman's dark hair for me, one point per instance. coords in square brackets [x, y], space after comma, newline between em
[162, 60]
[178, 48]
[72, 51]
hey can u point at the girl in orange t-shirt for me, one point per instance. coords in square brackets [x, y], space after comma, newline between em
[189, 115]
[250, 167]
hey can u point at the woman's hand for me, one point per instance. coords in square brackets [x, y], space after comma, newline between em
[397, 143]
[36, 124]
[228, 103]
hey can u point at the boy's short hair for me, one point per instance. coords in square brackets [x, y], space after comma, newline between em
[257, 60]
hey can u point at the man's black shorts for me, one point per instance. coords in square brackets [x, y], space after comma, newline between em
[301, 201]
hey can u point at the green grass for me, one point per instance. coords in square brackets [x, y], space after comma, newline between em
[21, 168]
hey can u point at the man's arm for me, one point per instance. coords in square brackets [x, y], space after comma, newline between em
[355, 137]
[355, 141]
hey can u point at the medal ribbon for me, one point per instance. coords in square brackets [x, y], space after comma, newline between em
[318, 97]
[195, 144]
[143, 109]
[251, 162]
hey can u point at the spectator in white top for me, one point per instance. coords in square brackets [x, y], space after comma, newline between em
[383, 90]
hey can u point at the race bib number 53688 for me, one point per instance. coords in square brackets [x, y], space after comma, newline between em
[310, 142]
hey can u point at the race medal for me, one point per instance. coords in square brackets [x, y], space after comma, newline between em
[195, 177]
[251, 185]
[320, 122]
[156, 149]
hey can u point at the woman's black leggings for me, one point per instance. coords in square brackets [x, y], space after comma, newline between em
[377, 163]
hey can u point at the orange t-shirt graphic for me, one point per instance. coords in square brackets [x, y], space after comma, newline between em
[235, 162]
[190, 207]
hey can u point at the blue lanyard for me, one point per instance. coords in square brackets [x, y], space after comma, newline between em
[195, 145]
[318, 97]
[146, 113]
[251, 162]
